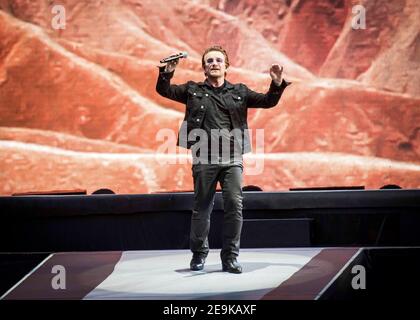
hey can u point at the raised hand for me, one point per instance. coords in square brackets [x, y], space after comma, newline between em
[276, 73]
[171, 65]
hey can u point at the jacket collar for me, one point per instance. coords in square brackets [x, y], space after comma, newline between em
[228, 85]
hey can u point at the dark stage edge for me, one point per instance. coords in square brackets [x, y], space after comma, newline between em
[352, 218]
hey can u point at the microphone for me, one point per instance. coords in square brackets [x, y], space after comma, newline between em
[174, 57]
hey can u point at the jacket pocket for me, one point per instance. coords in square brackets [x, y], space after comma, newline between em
[194, 94]
[237, 98]
[195, 104]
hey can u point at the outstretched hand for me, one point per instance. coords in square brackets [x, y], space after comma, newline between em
[276, 73]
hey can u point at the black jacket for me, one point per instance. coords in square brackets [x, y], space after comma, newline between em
[195, 95]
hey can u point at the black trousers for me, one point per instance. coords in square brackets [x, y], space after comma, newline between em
[206, 177]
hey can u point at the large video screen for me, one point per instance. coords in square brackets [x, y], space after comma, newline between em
[79, 107]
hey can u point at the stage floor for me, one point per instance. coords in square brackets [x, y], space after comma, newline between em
[279, 274]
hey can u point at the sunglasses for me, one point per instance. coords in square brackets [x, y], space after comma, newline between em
[217, 60]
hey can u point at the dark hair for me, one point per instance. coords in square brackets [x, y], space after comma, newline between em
[215, 48]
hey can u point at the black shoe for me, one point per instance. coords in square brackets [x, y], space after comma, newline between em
[232, 266]
[197, 263]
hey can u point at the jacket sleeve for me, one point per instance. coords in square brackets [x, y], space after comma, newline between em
[267, 100]
[168, 90]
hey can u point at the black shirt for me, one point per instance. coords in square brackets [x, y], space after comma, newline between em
[218, 125]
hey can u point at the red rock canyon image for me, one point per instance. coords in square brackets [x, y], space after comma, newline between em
[79, 109]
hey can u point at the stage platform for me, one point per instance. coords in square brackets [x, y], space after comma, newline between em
[268, 274]
[295, 245]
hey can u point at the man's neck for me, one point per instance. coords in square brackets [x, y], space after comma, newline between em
[216, 82]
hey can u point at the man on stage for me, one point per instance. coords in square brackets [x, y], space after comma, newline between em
[215, 129]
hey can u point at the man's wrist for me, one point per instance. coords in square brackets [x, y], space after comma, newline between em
[164, 75]
[278, 82]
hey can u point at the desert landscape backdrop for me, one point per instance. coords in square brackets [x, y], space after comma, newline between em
[79, 110]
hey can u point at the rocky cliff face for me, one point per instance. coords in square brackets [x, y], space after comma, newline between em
[319, 36]
[78, 107]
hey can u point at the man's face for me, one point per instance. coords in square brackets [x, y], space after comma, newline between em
[214, 64]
